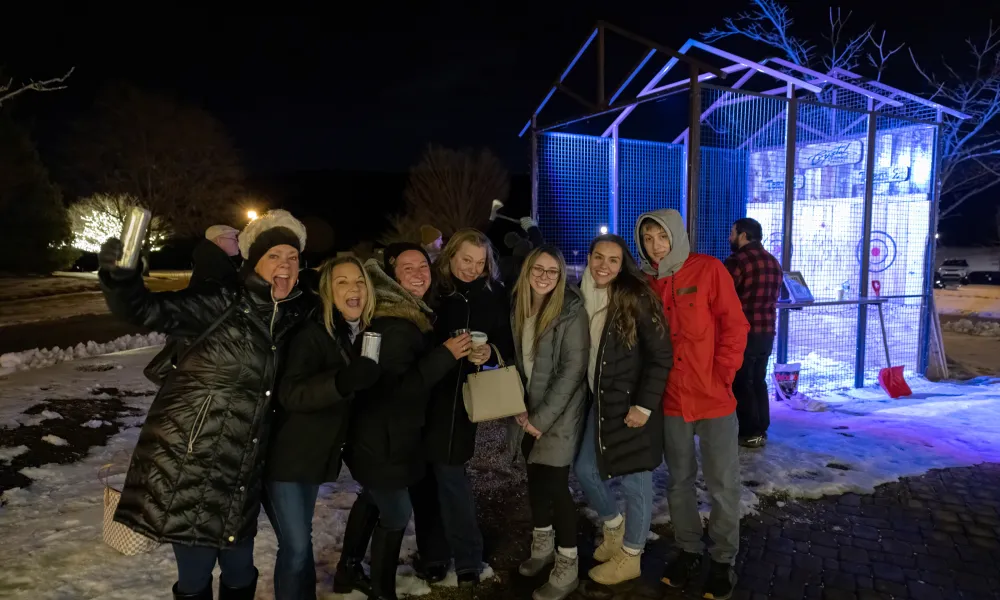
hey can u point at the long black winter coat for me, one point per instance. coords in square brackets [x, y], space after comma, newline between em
[450, 436]
[196, 473]
[312, 419]
[631, 377]
[384, 443]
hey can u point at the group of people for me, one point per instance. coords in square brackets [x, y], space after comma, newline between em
[270, 394]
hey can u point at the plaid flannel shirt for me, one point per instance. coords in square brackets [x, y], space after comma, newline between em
[758, 278]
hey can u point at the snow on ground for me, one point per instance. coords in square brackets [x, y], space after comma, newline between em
[39, 358]
[52, 530]
[864, 439]
[970, 300]
[20, 288]
[980, 328]
[30, 300]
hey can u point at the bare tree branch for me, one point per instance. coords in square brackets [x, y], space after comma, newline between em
[768, 23]
[879, 62]
[844, 55]
[10, 90]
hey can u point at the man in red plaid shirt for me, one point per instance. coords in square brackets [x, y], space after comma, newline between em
[758, 278]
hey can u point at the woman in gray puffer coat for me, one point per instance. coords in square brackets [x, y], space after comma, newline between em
[552, 344]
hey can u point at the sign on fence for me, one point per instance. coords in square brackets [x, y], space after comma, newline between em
[815, 156]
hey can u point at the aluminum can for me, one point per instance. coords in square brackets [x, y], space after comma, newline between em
[371, 343]
[133, 237]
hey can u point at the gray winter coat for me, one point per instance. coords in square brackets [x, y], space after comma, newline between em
[557, 393]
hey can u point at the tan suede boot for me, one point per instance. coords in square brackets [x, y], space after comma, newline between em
[613, 539]
[622, 567]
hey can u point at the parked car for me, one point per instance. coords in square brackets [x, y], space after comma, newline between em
[952, 271]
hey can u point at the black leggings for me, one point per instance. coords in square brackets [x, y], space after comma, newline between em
[550, 499]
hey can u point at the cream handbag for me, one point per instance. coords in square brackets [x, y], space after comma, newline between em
[115, 534]
[493, 394]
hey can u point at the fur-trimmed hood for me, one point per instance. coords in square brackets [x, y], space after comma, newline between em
[391, 300]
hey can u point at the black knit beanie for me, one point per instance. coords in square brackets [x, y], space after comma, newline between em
[392, 252]
[276, 236]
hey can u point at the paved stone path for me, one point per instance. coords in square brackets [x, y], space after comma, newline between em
[927, 538]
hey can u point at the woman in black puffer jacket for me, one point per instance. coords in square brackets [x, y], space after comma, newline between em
[196, 474]
[630, 359]
[384, 449]
[468, 295]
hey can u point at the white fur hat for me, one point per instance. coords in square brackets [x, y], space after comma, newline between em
[271, 220]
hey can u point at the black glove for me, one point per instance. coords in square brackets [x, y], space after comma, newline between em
[107, 259]
[359, 375]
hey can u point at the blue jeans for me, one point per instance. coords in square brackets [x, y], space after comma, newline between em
[394, 507]
[636, 487]
[196, 563]
[458, 511]
[290, 507]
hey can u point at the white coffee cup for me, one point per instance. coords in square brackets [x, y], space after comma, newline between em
[478, 338]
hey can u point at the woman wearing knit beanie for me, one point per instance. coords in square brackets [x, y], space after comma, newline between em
[195, 477]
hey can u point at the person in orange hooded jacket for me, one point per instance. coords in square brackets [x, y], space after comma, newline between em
[709, 333]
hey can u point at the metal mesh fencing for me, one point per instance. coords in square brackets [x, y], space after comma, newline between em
[901, 218]
[650, 177]
[574, 191]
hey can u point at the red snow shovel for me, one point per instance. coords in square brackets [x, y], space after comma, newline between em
[890, 378]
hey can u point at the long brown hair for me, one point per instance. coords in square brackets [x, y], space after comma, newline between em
[627, 293]
[551, 306]
[326, 291]
[442, 266]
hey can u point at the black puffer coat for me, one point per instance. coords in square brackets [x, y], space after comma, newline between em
[312, 418]
[450, 436]
[196, 473]
[624, 378]
[384, 443]
[211, 264]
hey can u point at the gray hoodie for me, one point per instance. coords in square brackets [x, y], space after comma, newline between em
[670, 220]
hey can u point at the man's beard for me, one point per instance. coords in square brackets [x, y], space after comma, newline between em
[734, 246]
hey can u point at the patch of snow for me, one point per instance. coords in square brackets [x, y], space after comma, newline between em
[55, 440]
[980, 328]
[970, 300]
[8, 454]
[48, 414]
[39, 358]
[95, 423]
[862, 440]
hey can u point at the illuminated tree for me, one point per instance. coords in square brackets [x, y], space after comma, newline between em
[450, 190]
[174, 159]
[101, 216]
[970, 158]
[9, 89]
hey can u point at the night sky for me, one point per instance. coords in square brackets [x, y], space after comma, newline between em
[346, 90]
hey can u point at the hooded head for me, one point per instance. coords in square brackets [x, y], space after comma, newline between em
[270, 247]
[393, 300]
[225, 237]
[658, 231]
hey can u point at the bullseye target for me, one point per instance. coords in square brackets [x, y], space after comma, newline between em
[882, 254]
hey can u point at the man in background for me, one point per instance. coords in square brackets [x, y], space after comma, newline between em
[216, 258]
[757, 275]
[431, 241]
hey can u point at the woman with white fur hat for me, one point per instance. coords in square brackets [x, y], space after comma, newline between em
[196, 474]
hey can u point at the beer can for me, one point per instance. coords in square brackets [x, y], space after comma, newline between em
[371, 343]
[133, 237]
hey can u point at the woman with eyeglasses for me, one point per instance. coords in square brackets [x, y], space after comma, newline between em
[550, 327]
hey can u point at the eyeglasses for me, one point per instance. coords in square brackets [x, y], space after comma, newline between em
[538, 271]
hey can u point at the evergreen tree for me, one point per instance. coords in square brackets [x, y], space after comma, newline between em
[34, 224]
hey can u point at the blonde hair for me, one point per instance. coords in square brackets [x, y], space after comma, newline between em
[326, 291]
[477, 238]
[552, 304]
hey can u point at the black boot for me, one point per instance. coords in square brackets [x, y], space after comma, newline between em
[205, 594]
[243, 593]
[386, 544]
[350, 574]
